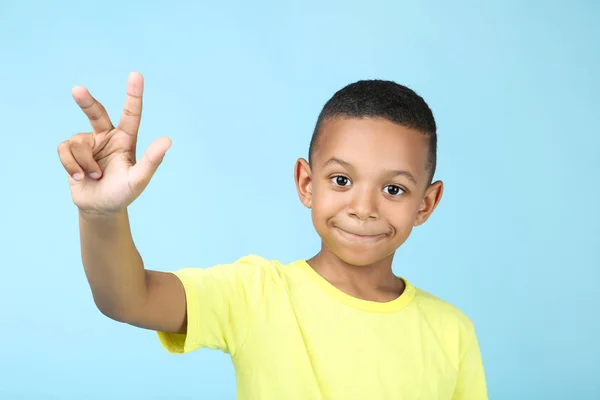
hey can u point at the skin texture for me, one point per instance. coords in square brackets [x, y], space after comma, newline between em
[367, 187]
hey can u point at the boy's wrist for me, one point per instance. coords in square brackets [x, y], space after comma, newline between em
[101, 216]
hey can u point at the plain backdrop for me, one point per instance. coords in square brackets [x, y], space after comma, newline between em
[238, 86]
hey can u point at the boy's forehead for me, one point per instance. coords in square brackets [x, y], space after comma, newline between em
[369, 141]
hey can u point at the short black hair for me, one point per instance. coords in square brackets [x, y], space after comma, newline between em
[381, 99]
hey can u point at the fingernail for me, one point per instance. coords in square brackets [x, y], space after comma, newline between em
[77, 176]
[94, 175]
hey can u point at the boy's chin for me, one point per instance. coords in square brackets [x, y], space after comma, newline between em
[360, 258]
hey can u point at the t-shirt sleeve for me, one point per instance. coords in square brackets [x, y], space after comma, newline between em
[222, 303]
[471, 383]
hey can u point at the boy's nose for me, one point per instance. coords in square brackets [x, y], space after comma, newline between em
[363, 205]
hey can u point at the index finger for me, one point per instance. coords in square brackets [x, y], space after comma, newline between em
[95, 111]
[132, 112]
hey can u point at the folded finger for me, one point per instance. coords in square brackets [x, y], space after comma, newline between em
[69, 162]
[81, 148]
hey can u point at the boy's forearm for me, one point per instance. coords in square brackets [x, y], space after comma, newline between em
[113, 266]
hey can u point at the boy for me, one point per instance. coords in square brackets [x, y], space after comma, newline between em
[339, 325]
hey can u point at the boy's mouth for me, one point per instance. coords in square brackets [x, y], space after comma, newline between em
[355, 234]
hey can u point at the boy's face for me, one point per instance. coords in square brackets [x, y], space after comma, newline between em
[367, 187]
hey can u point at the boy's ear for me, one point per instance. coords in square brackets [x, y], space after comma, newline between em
[302, 176]
[433, 195]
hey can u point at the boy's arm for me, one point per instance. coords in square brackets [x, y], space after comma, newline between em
[190, 309]
[105, 177]
[122, 289]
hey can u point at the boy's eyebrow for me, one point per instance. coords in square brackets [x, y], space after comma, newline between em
[347, 165]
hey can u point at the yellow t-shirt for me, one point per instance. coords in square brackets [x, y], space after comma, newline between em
[292, 335]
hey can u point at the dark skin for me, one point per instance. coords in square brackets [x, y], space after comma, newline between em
[367, 187]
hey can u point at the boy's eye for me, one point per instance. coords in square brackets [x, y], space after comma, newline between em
[393, 190]
[341, 180]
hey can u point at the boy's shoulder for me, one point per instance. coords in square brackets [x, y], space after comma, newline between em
[254, 262]
[245, 269]
[442, 311]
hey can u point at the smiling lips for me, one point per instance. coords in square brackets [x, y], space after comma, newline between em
[362, 235]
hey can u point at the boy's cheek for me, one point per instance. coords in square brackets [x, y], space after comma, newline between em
[326, 204]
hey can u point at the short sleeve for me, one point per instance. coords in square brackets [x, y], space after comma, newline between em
[222, 302]
[471, 383]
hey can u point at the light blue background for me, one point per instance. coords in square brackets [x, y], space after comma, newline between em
[238, 86]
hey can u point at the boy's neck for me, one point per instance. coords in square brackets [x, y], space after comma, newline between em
[375, 282]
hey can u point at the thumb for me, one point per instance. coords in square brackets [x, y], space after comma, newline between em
[143, 170]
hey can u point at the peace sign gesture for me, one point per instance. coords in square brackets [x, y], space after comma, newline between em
[104, 175]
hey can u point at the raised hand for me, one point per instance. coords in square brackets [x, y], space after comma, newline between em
[104, 175]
